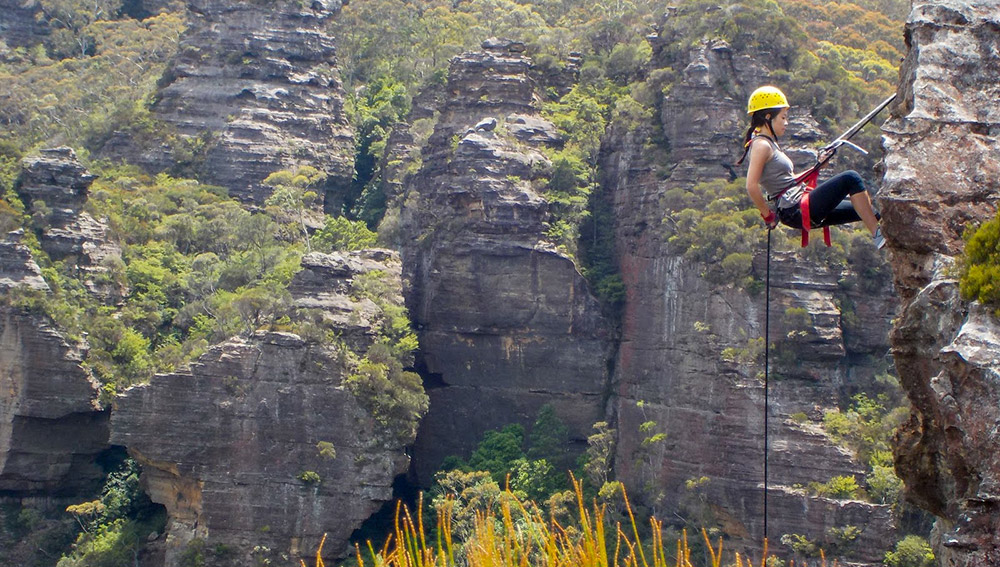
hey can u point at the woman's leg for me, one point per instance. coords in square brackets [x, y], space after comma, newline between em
[827, 206]
[863, 205]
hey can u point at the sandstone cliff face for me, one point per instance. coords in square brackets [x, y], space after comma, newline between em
[941, 174]
[670, 369]
[254, 89]
[51, 425]
[56, 184]
[506, 322]
[227, 445]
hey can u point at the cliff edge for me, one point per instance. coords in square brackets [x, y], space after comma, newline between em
[941, 174]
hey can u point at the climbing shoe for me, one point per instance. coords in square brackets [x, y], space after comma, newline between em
[879, 239]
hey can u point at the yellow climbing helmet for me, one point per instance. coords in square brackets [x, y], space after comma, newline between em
[766, 97]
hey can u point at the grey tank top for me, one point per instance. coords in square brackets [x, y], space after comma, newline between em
[777, 175]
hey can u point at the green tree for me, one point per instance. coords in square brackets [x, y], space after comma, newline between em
[376, 109]
[498, 450]
[911, 551]
[70, 20]
[341, 233]
[294, 193]
[549, 437]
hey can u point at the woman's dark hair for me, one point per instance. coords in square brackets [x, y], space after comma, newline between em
[758, 119]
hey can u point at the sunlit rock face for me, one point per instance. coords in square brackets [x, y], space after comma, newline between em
[506, 322]
[941, 174]
[260, 446]
[254, 89]
[670, 370]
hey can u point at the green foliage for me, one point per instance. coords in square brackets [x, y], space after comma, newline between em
[839, 487]
[911, 551]
[801, 545]
[498, 450]
[884, 487]
[748, 355]
[715, 224]
[343, 234]
[196, 268]
[71, 92]
[115, 526]
[549, 437]
[393, 395]
[326, 450]
[309, 477]
[534, 466]
[980, 265]
[295, 194]
[375, 109]
[599, 456]
[866, 428]
[463, 495]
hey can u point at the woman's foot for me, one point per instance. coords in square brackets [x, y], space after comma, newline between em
[878, 238]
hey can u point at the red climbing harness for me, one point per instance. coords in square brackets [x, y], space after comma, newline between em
[808, 179]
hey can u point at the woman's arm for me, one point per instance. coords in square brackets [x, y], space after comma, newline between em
[760, 152]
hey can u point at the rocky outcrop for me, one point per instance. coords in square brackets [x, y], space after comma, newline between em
[502, 313]
[54, 186]
[51, 424]
[18, 25]
[941, 174]
[260, 445]
[254, 89]
[671, 372]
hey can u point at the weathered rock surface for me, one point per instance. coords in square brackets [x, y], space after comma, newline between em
[51, 424]
[942, 173]
[503, 315]
[18, 25]
[55, 184]
[254, 89]
[670, 369]
[226, 445]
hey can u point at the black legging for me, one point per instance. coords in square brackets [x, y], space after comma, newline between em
[828, 203]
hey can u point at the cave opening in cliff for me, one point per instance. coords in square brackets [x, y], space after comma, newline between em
[380, 525]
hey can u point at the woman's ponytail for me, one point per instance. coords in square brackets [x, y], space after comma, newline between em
[758, 120]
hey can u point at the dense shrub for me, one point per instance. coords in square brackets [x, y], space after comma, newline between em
[980, 266]
[911, 551]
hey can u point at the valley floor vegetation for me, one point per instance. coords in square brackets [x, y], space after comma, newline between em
[513, 532]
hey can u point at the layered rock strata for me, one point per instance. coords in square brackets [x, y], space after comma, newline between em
[259, 445]
[55, 185]
[942, 174]
[506, 322]
[51, 425]
[671, 371]
[254, 89]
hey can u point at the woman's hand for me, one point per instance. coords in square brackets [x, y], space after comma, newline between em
[770, 219]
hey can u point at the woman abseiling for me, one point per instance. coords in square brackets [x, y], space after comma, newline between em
[839, 200]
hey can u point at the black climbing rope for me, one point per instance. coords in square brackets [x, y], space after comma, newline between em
[767, 322]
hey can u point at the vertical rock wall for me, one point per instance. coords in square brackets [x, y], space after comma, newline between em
[254, 89]
[941, 174]
[51, 425]
[506, 321]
